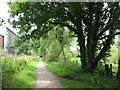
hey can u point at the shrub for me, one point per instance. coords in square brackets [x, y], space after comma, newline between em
[12, 64]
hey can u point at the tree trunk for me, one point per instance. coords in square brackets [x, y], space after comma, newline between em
[81, 43]
[64, 54]
[118, 73]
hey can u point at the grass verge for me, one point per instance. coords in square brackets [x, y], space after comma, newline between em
[81, 80]
[23, 79]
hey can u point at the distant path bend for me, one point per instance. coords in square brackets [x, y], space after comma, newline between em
[45, 79]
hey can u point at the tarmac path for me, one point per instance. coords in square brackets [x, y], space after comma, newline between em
[45, 79]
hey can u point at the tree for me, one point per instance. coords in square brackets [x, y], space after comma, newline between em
[23, 46]
[52, 45]
[118, 73]
[64, 39]
[92, 23]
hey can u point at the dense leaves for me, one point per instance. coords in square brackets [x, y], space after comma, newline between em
[54, 43]
[95, 25]
[12, 64]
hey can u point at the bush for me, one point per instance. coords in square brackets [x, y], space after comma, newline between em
[12, 64]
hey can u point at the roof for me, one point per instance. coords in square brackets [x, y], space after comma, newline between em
[1, 35]
[11, 31]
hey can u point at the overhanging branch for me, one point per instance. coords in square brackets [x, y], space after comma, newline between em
[104, 29]
[106, 46]
[63, 24]
[109, 24]
[117, 33]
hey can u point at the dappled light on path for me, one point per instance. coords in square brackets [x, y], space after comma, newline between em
[45, 79]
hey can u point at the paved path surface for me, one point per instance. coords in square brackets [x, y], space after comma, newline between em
[45, 79]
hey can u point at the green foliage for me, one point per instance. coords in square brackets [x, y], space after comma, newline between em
[12, 65]
[100, 68]
[60, 68]
[81, 80]
[23, 46]
[111, 59]
[51, 47]
[73, 84]
[24, 78]
[93, 24]
[89, 81]
[114, 55]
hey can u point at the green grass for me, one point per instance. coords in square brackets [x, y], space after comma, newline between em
[53, 67]
[63, 68]
[73, 84]
[23, 79]
[86, 80]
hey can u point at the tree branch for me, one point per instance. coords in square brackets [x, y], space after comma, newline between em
[105, 47]
[117, 33]
[109, 21]
[67, 25]
[103, 37]
[104, 29]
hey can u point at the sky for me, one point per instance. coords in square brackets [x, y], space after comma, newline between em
[5, 15]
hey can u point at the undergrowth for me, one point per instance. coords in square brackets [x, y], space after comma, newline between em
[18, 71]
[72, 68]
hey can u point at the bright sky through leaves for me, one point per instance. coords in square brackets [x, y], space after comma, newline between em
[5, 15]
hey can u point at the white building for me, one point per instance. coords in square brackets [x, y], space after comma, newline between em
[7, 38]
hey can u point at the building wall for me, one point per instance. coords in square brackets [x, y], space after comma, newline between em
[9, 38]
[1, 41]
[4, 33]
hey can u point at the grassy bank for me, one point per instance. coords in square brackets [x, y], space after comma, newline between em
[18, 71]
[26, 78]
[23, 79]
[77, 79]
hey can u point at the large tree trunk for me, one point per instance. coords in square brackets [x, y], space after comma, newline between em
[81, 43]
[82, 52]
[91, 41]
[88, 59]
